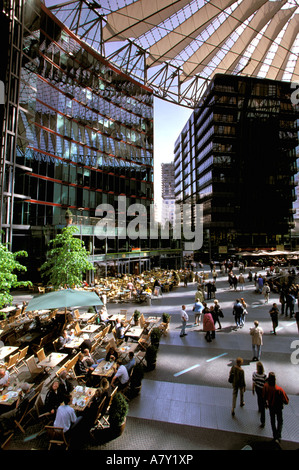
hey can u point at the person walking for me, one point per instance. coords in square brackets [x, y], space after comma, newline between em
[184, 319]
[217, 313]
[197, 309]
[274, 317]
[241, 281]
[256, 333]
[290, 304]
[266, 292]
[258, 382]
[237, 312]
[244, 312]
[237, 379]
[208, 325]
[275, 398]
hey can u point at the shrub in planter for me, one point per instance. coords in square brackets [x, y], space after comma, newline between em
[165, 317]
[118, 413]
[155, 337]
[151, 357]
[136, 380]
[136, 316]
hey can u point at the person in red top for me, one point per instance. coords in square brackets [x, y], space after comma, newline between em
[275, 397]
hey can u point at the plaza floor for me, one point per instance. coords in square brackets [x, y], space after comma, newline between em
[185, 403]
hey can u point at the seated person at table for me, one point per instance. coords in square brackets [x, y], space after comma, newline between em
[104, 315]
[121, 376]
[87, 344]
[7, 419]
[4, 377]
[131, 363]
[54, 397]
[63, 340]
[120, 330]
[89, 361]
[66, 417]
[80, 367]
[65, 385]
[90, 413]
[112, 355]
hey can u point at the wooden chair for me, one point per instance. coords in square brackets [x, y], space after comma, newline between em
[64, 367]
[41, 290]
[104, 420]
[96, 423]
[55, 344]
[140, 357]
[41, 355]
[37, 414]
[78, 330]
[124, 312]
[26, 413]
[144, 341]
[33, 366]
[142, 322]
[12, 360]
[38, 388]
[56, 437]
[21, 359]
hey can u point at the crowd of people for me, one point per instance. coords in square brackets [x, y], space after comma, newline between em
[277, 281]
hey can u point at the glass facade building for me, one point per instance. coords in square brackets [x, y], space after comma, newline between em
[237, 157]
[77, 133]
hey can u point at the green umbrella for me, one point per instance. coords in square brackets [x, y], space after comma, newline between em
[63, 299]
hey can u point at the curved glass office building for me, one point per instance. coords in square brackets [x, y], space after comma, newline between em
[77, 133]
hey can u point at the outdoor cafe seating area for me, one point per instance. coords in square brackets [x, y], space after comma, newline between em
[130, 287]
[30, 354]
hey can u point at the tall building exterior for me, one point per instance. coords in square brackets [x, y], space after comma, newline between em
[168, 196]
[236, 156]
[76, 133]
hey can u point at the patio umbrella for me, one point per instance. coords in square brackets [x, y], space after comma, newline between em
[63, 299]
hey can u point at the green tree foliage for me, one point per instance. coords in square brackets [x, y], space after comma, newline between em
[67, 260]
[9, 267]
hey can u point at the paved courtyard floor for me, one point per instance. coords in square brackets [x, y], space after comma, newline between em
[185, 403]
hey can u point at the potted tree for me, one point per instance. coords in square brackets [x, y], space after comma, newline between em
[117, 415]
[151, 357]
[136, 316]
[155, 336]
[136, 380]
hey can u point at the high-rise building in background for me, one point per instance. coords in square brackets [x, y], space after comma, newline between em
[168, 196]
[237, 157]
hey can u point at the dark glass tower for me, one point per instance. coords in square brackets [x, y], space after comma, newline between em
[237, 157]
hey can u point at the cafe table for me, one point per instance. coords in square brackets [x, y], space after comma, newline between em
[90, 328]
[74, 343]
[7, 350]
[53, 359]
[134, 332]
[104, 369]
[8, 309]
[86, 316]
[114, 317]
[125, 349]
[81, 397]
[9, 395]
